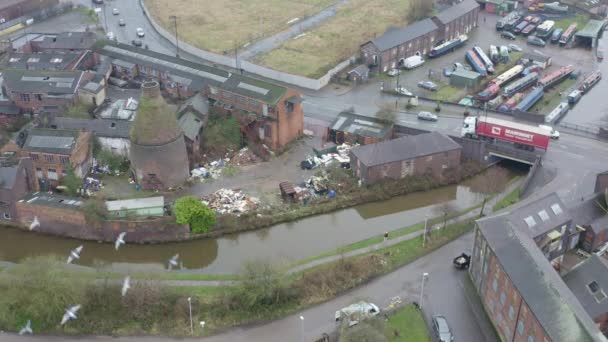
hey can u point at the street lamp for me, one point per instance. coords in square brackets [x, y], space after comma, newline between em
[190, 309]
[424, 277]
[174, 18]
[424, 232]
[302, 328]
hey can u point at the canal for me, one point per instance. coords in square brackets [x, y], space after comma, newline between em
[283, 243]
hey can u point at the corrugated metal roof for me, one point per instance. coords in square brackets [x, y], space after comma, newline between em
[395, 37]
[592, 29]
[190, 125]
[136, 203]
[51, 141]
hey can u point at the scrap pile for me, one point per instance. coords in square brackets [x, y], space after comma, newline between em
[211, 170]
[342, 156]
[227, 201]
[244, 157]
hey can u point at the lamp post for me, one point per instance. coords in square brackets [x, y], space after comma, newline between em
[301, 328]
[424, 277]
[190, 310]
[174, 18]
[424, 232]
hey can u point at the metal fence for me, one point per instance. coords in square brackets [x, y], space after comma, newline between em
[591, 130]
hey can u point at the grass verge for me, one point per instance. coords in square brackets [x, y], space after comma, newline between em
[580, 19]
[407, 325]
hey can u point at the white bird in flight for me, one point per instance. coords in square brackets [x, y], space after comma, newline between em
[75, 254]
[27, 329]
[70, 313]
[126, 285]
[173, 261]
[120, 240]
[35, 223]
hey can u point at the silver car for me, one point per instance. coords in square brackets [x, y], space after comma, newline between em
[441, 329]
[427, 116]
[403, 91]
[428, 85]
[514, 47]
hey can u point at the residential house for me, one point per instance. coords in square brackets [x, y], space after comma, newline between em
[359, 129]
[431, 154]
[457, 20]
[137, 207]
[386, 51]
[359, 75]
[61, 42]
[270, 114]
[589, 283]
[54, 152]
[17, 178]
[112, 135]
[42, 90]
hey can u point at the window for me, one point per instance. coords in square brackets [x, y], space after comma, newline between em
[503, 298]
[290, 107]
[52, 174]
[491, 304]
[267, 131]
[39, 172]
[25, 97]
[56, 60]
[508, 332]
[494, 285]
[530, 221]
[597, 292]
[64, 159]
[530, 338]
[543, 215]
[520, 327]
[556, 209]
[511, 312]
[499, 318]
[34, 156]
[48, 158]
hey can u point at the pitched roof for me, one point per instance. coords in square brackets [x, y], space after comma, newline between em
[395, 37]
[549, 299]
[8, 172]
[51, 140]
[190, 125]
[197, 103]
[361, 70]
[594, 269]
[538, 217]
[456, 11]
[586, 212]
[404, 148]
[100, 127]
[42, 81]
[42, 60]
[361, 125]
[67, 40]
[200, 74]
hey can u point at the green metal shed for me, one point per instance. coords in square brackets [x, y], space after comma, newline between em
[465, 78]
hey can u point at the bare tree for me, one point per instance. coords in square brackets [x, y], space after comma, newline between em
[445, 210]
[419, 9]
[489, 183]
[387, 113]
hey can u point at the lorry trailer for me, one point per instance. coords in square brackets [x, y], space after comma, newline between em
[520, 135]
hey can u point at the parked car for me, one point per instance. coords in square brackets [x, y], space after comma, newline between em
[110, 35]
[427, 116]
[357, 312]
[121, 22]
[508, 35]
[462, 261]
[534, 40]
[403, 91]
[137, 42]
[514, 47]
[428, 85]
[393, 72]
[140, 32]
[553, 132]
[442, 329]
[115, 11]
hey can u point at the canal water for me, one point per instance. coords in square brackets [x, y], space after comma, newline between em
[283, 243]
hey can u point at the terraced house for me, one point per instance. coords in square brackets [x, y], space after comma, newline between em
[268, 113]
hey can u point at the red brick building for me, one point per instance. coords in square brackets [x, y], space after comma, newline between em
[17, 178]
[457, 20]
[431, 154]
[359, 129]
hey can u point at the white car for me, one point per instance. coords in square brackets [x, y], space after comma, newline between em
[427, 116]
[115, 11]
[552, 131]
[110, 35]
[403, 91]
[357, 312]
[514, 47]
[140, 32]
[393, 72]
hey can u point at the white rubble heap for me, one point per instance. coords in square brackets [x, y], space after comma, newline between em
[227, 201]
[342, 156]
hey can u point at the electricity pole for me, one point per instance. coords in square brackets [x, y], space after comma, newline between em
[176, 37]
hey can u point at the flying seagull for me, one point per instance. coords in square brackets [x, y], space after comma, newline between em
[27, 329]
[173, 261]
[120, 240]
[126, 285]
[70, 313]
[35, 223]
[75, 254]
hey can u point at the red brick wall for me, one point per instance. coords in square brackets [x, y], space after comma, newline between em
[289, 125]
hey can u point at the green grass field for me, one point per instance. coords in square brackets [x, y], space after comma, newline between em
[508, 200]
[407, 325]
[580, 19]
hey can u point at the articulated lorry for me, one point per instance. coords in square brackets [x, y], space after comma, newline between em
[521, 136]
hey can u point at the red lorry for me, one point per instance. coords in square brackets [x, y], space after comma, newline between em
[521, 135]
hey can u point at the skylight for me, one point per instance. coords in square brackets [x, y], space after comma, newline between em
[530, 221]
[543, 215]
[556, 209]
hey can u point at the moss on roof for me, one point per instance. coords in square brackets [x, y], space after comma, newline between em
[154, 124]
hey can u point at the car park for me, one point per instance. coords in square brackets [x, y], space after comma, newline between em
[140, 32]
[357, 312]
[428, 85]
[508, 35]
[403, 91]
[115, 11]
[121, 22]
[137, 42]
[427, 116]
[441, 329]
[514, 47]
[393, 72]
[534, 40]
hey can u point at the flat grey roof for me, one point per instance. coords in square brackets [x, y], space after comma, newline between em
[52, 200]
[136, 203]
[100, 127]
[594, 269]
[50, 140]
[42, 81]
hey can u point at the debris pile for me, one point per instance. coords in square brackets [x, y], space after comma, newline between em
[211, 170]
[244, 157]
[342, 156]
[227, 201]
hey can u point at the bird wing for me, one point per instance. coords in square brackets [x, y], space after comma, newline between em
[73, 310]
[65, 318]
[79, 249]
[70, 258]
[126, 285]
[121, 236]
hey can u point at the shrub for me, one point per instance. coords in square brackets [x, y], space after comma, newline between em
[95, 210]
[113, 161]
[72, 182]
[190, 210]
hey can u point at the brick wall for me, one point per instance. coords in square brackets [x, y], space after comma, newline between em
[290, 124]
[25, 182]
[72, 223]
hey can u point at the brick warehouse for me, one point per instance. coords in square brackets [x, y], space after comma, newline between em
[386, 51]
[521, 291]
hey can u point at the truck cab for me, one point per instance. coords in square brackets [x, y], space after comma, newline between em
[469, 127]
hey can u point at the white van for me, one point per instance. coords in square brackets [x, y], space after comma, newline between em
[357, 312]
[553, 133]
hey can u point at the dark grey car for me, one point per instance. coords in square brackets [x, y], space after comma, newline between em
[441, 329]
[534, 40]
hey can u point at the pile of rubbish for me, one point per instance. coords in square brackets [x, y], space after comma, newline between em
[227, 201]
[342, 156]
[244, 157]
[212, 170]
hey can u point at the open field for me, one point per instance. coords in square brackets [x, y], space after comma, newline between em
[220, 26]
[320, 49]
[580, 19]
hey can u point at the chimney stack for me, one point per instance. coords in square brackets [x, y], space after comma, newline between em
[150, 89]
